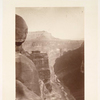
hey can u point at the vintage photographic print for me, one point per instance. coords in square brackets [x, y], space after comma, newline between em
[49, 43]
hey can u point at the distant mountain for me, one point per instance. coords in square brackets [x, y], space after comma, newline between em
[54, 47]
[39, 35]
[44, 41]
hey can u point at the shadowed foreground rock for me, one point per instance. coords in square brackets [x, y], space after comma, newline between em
[69, 68]
[27, 79]
[27, 73]
[23, 93]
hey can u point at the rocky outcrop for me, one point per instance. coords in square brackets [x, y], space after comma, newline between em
[45, 42]
[55, 48]
[26, 73]
[68, 70]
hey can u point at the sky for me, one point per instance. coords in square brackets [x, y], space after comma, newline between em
[61, 22]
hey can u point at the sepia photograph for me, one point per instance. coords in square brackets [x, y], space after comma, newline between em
[49, 53]
[49, 50]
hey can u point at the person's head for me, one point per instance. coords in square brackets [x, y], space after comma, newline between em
[21, 30]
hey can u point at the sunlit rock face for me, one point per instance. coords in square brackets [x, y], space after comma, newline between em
[69, 69]
[55, 48]
[45, 42]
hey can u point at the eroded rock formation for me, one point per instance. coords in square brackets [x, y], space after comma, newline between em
[69, 69]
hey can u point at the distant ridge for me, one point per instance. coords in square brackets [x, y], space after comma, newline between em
[44, 41]
[40, 35]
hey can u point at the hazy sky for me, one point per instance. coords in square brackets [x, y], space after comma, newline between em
[61, 22]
